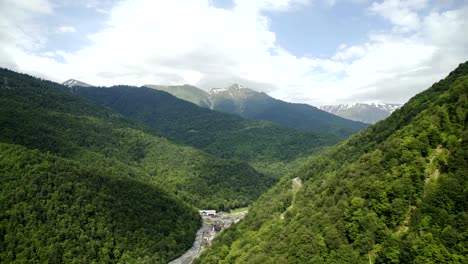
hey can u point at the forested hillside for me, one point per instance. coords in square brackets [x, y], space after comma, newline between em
[394, 193]
[266, 146]
[59, 211]
[47, 116]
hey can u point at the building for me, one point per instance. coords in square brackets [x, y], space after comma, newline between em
[207, 212]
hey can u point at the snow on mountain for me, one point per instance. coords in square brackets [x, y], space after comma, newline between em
[74, 83]
[367, 113]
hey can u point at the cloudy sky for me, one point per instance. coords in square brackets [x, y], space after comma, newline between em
[309, 51]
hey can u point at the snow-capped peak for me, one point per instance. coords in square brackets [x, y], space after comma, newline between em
[217, 90]
[234, 88]
[364, 112]
[73, 83]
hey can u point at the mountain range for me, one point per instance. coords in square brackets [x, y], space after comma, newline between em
[250, 104]
[366, 113]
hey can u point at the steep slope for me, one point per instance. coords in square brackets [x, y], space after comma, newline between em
[394, 193]
[250, 104]
[266, 146]
[185, 92]
[47, 116]
[59, 211]
[367, 113]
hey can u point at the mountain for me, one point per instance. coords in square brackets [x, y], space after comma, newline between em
[80, 183]
[266, 146]
[366, 113]
[396, 192]
[75, 83]
[251, 104]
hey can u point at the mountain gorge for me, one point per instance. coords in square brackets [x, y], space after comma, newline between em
[394, 193]
[247, 103]
[366, 113]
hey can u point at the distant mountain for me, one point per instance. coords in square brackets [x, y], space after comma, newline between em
[247, 103]
[366, 113]
[75, 83]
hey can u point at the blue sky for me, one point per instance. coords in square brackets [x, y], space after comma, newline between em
[308, 51]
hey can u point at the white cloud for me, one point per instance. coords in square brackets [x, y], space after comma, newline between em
[66, 29]
[159, 42]
[402, 13]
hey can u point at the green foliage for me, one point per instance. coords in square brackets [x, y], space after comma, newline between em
[266, 146]
[53, 210]
[394, 193]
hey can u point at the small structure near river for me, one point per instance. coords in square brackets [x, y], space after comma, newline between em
[207, 212]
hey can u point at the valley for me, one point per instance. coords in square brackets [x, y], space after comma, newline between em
[87, 149]
[233, 132]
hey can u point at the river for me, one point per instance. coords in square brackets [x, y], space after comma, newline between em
[205, 232]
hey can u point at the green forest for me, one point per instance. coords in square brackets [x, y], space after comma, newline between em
[394, 193]
[55, 210]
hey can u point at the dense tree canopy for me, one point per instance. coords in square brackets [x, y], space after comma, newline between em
[59, 211]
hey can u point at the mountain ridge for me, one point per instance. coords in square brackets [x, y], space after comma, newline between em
[250, 104]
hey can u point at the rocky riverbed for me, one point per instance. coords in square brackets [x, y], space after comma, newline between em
[212, 226]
